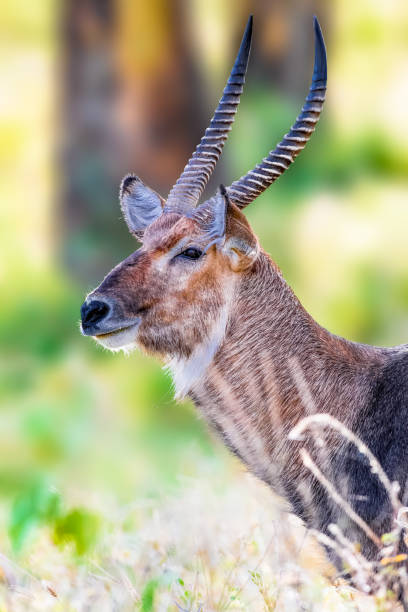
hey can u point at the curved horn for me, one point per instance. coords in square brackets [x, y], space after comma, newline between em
[250, 186]
[186, 192]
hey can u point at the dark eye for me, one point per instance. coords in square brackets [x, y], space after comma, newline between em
[191, 253]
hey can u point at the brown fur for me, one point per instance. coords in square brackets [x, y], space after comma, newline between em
[273, 363]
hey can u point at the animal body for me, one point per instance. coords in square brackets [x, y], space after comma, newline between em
[202, 295]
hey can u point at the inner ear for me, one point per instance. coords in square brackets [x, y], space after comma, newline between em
[241, 245]
[211, 217]
[226, 226]
[140, 204]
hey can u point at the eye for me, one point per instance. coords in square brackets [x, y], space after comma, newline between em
[191, 253]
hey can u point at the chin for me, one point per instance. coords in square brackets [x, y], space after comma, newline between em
[123, 340]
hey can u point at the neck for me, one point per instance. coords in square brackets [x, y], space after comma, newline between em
[271, 363]
[187, 372]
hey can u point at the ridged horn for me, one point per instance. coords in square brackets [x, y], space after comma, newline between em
[243, 191]
[186, 192]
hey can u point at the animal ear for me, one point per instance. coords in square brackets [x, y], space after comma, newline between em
[227, 227]
[212, 216]
[241, 245]
[140, 204]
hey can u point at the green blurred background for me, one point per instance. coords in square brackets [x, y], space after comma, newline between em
[91, 90]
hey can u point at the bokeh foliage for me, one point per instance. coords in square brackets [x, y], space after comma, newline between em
[83, 431]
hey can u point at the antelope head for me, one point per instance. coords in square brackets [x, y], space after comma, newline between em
[174, 292]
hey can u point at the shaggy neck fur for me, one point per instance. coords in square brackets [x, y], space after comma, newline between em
[272, 347]
[274, 365]
[186, 372]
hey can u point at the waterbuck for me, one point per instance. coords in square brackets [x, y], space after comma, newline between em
[202, 295]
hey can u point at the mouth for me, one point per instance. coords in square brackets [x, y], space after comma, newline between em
[114, 338]
[118, 330]
[108, 328]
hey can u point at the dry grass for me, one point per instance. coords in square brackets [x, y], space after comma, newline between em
[222, 543]
[387, 574]
[214, 547]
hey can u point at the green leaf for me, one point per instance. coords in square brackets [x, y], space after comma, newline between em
[38, 504]
[148, 595]
[79, 527]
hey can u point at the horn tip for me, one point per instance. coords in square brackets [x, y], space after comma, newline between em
[245, 47]
[250, 24]
[320, 67]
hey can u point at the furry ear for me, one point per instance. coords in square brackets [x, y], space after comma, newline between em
[140, 204]
[241, 252]
[227, 227]
[212, 217]
[241, 245]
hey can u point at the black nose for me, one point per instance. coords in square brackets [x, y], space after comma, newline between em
[92, 313]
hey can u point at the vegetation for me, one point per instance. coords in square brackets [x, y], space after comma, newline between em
[113, 497]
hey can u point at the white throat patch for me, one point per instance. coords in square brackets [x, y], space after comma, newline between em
[187, 372]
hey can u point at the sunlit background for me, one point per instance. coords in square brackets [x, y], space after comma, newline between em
[92, 445]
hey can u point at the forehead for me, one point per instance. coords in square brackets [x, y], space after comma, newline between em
[168, 229]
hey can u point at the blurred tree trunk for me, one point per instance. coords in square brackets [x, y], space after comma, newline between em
[87, 140]
[160, 106]
[130, 102]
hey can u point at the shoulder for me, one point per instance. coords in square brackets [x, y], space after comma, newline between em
[394, 376]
